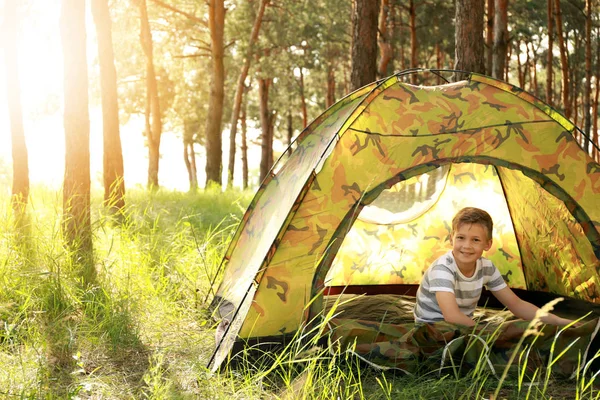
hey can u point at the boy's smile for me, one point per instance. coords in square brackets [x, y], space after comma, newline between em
[469, 241]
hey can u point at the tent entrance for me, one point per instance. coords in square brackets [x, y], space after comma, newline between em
[397, 236]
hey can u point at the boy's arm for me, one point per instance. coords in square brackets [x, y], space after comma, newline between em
[525, 310]
[450, 310]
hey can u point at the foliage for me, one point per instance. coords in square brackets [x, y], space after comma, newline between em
[310, 37]
[59, 338]
[181, 80]
[434, 24]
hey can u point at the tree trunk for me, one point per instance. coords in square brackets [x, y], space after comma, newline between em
[114, 184]
[244, 147]
[76, 225]
[507, 61]
[303, 99]
[330, 96]
[549, 61]
[412, 12]
[384, 42]
[500, 38]
[489, 37]
[469, 37]
[189, 155]
[364, 42]
[564, 61]
[596, 152]
[574, 80]
[265, 122]
[594, 135]
[588, 75]
[189, 158]
[216, 23]
[271, 127]
[186, 160]
[402, 41]
[438, 61]
[577, 118]
[290, 130]
[235, 112]
[153, 117]
[533, 67]
[527, 71]
[20, 184]
[193, 168]
[520, 73]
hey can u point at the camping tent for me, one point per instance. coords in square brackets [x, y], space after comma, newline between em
[363, 202]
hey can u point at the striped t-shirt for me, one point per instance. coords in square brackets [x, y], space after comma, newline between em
[445, 276]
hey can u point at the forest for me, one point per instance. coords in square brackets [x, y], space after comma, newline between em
[105, 293]
[207, 71]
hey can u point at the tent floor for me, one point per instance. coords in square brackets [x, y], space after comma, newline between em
[380, 330]
[397, 301]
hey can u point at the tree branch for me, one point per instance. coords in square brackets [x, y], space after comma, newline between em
[207, 48]
[194, 55]
[204, 42]
[178, 11]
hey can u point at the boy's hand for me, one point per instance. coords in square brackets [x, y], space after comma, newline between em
[564, 322]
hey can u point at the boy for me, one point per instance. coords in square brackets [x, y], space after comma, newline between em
[452, 285]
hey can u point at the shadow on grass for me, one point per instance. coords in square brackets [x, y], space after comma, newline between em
[116, 350]
[86, 335]
[40, 315]
[112, 339]
[58, 326]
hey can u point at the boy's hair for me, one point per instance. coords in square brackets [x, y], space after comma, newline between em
[473, 215]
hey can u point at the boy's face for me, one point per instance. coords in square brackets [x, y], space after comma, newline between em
[469, 241]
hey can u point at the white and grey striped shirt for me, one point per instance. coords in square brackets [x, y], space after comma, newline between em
[445, 276]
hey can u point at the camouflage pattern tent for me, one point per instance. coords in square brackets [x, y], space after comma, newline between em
[365, 199]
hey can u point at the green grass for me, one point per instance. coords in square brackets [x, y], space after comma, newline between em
[142, 330]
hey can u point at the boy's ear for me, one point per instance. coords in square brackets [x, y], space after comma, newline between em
[489, 244]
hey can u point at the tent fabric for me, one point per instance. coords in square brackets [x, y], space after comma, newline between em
[548, 231]
[390, 132]
[275, 199]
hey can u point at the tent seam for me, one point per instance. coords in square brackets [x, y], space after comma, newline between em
[449, 132]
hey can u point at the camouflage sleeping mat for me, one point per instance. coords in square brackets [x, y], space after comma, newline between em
[381, 331]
